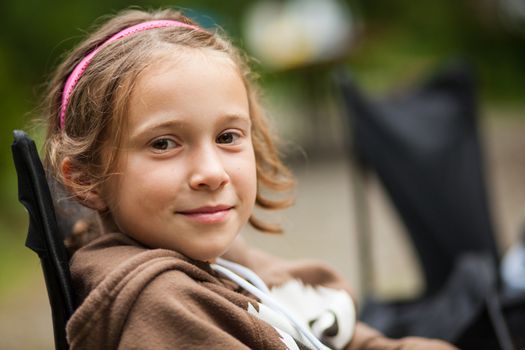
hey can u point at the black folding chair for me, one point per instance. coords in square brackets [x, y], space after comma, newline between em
[424, 146]
[43, 236]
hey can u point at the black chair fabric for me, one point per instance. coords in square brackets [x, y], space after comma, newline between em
[424, 147]
[43, 237]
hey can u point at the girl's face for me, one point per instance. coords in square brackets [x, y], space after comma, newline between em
[186, 176]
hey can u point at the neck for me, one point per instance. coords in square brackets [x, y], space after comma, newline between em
[108, 224]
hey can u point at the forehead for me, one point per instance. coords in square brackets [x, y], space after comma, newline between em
[186, 63]
[183, 82]
[171, 55]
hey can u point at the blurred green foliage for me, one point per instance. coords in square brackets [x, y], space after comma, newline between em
[395, 41]
[402, 35]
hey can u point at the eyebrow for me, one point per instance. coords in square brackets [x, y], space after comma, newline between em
[179, 124]
[151, 127]
[236, 118]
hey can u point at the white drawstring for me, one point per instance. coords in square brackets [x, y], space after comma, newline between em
[245, 272]
[259, 289]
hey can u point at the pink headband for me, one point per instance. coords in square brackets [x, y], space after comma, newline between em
[81, 67]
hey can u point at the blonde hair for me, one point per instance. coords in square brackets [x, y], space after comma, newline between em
[96, 113]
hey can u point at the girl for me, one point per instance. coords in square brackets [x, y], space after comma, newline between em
[154, 123]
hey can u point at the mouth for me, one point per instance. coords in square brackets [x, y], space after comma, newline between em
[208, 214]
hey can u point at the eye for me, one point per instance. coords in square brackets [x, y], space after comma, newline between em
[228, 137]
[163, 144]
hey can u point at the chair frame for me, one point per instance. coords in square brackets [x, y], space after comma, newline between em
[43, 236]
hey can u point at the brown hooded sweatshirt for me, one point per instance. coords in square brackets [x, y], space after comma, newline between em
[133, 297]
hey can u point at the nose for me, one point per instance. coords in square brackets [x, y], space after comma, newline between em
[208, 172]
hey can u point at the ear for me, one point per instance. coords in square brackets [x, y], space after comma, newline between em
[74, 179]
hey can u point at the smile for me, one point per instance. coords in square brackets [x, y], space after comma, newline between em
[208, 214]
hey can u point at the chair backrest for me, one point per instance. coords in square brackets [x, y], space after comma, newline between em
[424, 146]
[43, 237]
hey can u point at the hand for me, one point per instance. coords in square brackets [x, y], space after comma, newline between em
[417, 343]
[367, 338]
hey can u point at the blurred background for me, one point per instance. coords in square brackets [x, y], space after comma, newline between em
[387, 46]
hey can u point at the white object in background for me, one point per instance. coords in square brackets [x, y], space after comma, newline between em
[513, 10]
[513, 267]
[292, 33]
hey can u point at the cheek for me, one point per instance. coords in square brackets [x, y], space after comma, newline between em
[245, 177]
[142, 184]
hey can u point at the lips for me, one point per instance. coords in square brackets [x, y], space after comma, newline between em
[208, 214]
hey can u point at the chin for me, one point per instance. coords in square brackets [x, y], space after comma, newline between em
[205, 256]
[210, 251]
